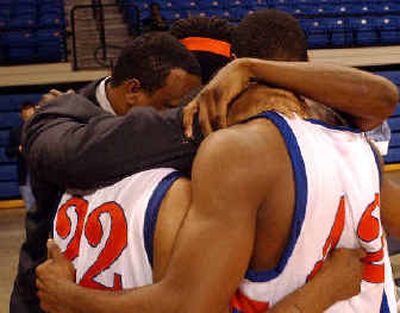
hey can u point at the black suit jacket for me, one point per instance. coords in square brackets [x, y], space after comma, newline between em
[71, 142]
[13, 151]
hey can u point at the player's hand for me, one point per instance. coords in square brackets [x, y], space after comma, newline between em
[51, 277]
[342, 273]
[51, 95]
[212, 103]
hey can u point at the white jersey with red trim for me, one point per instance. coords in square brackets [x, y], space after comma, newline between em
[108, 234]
[337, 187]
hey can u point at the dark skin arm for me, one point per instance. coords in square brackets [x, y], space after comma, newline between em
[342, 272]
[366, 99]
[61, 141]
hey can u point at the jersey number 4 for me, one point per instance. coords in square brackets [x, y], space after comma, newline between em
[369, 233]
[92, 229]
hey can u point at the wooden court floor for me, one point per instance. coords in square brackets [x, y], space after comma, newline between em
[11, 237]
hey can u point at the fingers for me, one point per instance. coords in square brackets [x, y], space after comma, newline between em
[188, 116]
[53, 251]
[204, 120]
[55, 92]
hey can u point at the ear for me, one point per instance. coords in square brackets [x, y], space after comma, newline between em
[233, 56]
[132, 85]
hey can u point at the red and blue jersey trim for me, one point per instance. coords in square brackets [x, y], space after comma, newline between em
[301, 195]
[152, 210]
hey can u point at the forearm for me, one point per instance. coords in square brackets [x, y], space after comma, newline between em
[78, 299]
[368, 98]
[308, 299]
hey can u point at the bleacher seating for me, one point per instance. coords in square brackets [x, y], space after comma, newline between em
[9, 118]
[22, 25]
[328, 24]
[394, 122]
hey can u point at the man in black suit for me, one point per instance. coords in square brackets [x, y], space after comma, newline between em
[155, 70]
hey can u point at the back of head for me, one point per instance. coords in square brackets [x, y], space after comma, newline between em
[150, 58]
[271, 35]
[209, 39]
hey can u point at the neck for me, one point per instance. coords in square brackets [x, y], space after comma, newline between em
[259, 98]
[116, 99]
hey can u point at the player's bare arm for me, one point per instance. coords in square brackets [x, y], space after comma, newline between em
[368, 99]
[342, 273]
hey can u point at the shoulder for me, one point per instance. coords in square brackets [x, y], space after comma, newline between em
[249, 152]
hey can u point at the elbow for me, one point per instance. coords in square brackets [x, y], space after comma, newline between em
[389, 97]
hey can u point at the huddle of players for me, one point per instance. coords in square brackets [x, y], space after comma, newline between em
[253, 95]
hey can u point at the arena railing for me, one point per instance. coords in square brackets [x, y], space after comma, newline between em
[101, 52]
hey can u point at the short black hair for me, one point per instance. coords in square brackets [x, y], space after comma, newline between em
[27, 105]
[272, 35]
[214, 28]
[150, 58]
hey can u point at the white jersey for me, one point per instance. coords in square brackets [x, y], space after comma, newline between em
[108, 235]
[337, 205]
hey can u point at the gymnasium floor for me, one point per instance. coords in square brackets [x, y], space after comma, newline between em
[11, 237]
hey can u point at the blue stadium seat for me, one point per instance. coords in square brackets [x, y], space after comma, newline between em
[393, 155]
[196, 12]
[287, 8]
[20, 54]
[230, 4]
[13, 102]
[316, 31]
[394, 123]
[208, 4]
[7, 104]
[172, 15]
[9, 190]
[3, 157]
[238, 13]
[365, 30]
[338, 31]
[181, 5]
[23, 21]
[19, 38]
[4, 137]
[9, 119]
[258, 4]
[50, 45]
[8, 173]
[389, 29]
[395, 140]
[51, 20]
[386, 7]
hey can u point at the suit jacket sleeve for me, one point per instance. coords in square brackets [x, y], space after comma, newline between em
[73, 143]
